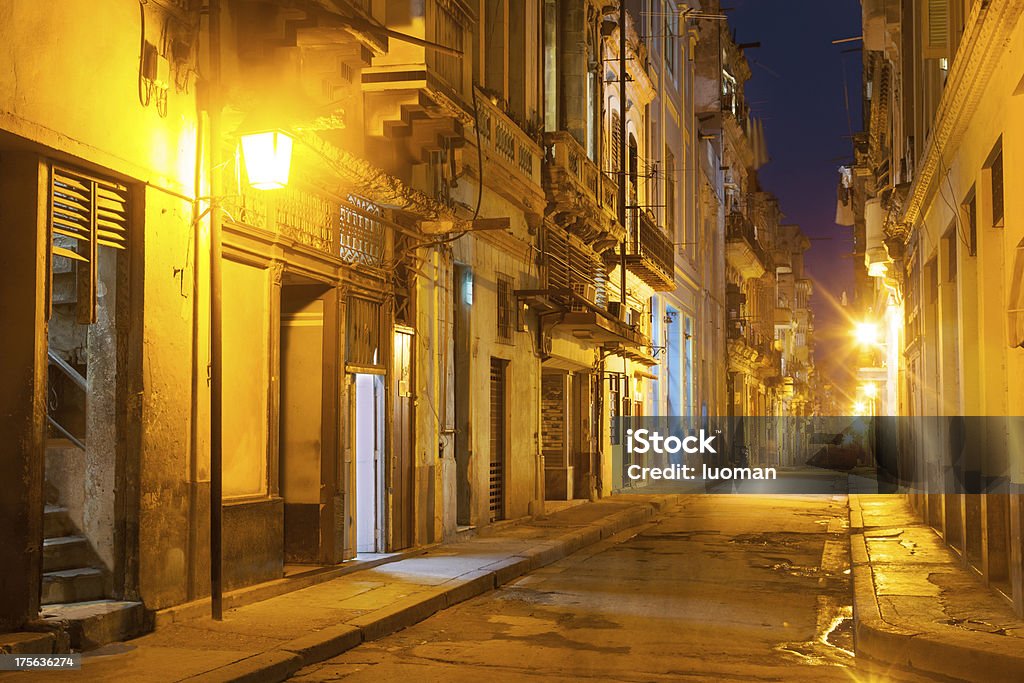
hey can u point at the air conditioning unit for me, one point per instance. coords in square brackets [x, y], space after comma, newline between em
[618, 310]
[586, 291]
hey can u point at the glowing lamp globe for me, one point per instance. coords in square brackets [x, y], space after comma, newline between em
[867, 334]
[268, 159]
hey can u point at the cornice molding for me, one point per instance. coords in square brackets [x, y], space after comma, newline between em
[983, 44]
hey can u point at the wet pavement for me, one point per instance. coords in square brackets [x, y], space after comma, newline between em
[726, 587]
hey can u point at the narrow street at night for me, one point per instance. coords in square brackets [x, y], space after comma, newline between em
[461, 340]
[727, 588]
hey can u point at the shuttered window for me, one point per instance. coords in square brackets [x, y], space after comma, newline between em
[936, 29]
[86, 213]
[363, 340]
[506, 308]
[997, 190]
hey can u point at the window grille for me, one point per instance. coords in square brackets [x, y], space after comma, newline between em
[362, 235]
[86, 213]
[506, 308]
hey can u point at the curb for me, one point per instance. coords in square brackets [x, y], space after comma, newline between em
[284, 660]
[918, 647]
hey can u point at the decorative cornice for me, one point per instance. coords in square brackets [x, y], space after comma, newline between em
[983, 43]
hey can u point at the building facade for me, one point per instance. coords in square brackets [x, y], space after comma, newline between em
[939, 237]
[490, 242]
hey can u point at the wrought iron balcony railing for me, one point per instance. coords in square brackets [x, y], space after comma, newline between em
[743, 250]
[649, 252]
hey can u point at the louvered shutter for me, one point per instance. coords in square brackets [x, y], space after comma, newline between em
[935, 29]
[86, 213]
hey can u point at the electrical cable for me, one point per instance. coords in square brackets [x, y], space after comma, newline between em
[143, 87]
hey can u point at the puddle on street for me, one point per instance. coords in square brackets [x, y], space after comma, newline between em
[833, 642]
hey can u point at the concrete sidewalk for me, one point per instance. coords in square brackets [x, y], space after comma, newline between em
[916, 608]
[271, 639]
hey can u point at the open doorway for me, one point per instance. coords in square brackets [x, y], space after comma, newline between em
[84, 534]
[369, 447]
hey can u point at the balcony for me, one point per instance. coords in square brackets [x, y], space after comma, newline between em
[783, 316]
[742, 250]
[513, 154]
[650, 254]
[583, 199]
[306, 222]
[417, 97]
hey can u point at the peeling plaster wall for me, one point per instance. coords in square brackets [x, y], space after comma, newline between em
[77, 101]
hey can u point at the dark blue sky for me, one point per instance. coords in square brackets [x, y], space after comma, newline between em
[797, 90]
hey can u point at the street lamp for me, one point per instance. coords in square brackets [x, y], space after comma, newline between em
[870, 390]
[268, 158]
[867, 333]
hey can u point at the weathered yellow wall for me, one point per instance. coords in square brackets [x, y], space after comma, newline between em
[77, 98]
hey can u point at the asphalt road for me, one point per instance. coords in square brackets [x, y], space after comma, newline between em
[727, 587]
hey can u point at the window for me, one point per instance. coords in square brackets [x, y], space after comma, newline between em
[970, 206]
[935, 29]
[365, 321]
[634, 162]
[86, 213]
[616, 138]
[506, 308]
[670, 193]
[996, 169]
[949, 242]
[671, 29]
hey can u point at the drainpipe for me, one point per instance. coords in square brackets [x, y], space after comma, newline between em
[216, 386]
[623, 159]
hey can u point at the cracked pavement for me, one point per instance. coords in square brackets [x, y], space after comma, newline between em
[725, 587]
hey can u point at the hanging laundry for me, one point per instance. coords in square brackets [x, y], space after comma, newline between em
[844, 197]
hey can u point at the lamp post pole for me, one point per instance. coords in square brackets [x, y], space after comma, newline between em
[623, 157]
[216, 385]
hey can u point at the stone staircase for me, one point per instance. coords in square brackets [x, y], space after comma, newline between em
[71, 570]
[75, 586]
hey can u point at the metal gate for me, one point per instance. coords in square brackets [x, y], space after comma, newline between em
[499, 433]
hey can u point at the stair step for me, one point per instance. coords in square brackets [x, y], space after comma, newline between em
[97, 622]
[66, 552]
[57, 522]
[73, 585]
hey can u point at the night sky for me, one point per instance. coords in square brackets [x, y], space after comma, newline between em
[797, 90]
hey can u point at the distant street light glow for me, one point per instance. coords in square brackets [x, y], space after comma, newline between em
[867, 334]
[870, 390]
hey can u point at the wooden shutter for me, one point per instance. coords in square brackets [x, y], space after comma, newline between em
[935, 29]
[85, 214]
[496, 488]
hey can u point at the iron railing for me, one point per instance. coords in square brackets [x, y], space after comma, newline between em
[739, 227]
[76, 379]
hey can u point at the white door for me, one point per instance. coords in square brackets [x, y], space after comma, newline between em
[369, 394]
